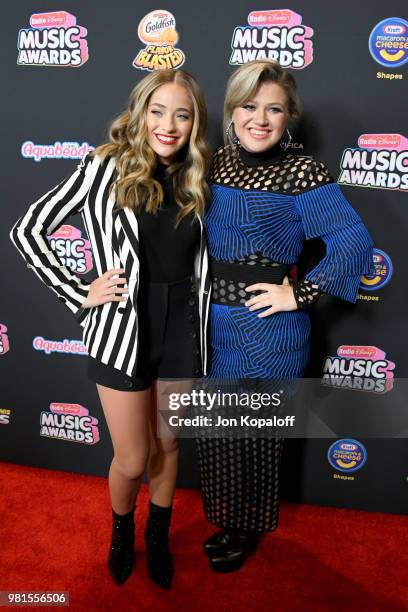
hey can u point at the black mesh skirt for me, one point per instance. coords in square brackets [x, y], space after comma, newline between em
[240, 481]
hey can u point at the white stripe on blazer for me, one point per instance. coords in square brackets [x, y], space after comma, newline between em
[110, 330]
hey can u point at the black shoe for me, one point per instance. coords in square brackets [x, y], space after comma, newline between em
[159, 559]
[215, 543]
[121, 554]
[233, 555]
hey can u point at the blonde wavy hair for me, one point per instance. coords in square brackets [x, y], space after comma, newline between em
[135, 160]
[244, 82]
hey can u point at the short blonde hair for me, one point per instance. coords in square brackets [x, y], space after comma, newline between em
[244, 82]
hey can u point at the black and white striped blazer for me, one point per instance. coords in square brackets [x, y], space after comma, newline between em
[110, 330]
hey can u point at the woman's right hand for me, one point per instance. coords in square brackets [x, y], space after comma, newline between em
[103, 289]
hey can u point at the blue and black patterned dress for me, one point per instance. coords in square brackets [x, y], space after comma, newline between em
[263, 208]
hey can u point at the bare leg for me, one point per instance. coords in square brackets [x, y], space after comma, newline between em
[162, 465]
[126, 414]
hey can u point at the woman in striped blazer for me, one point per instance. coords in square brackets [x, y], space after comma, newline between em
[141, 197]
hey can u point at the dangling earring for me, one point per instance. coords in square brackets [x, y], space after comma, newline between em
[286, 144]
[233, 139]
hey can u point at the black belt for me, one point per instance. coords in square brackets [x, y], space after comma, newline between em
[229, 280]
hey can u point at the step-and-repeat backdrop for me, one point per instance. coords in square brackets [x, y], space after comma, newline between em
[69, 68]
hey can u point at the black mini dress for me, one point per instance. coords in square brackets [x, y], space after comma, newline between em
[167, 302]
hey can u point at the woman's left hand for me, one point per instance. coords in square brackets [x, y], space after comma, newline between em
[278, 297]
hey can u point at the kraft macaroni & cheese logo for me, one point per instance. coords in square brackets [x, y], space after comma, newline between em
[273, 34]
[347, 455]
[382, 272]
[388, 42]
[53, 39]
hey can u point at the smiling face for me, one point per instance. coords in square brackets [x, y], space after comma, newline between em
[261, 121]
[169, 120]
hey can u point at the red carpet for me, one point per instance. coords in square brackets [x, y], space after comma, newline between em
[55, 532]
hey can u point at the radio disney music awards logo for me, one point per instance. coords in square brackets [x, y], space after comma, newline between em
[347, 455]
[54, 39]
[4, 341]
[380, 161]
[71, 422]
[73, 250]
[359, 368]
[388, 42]
[68, 347]
[382, 272]
[157, 30]
[5, 414]
[273, 34]
[58, 150]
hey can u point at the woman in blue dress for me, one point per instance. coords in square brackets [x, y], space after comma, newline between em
[266, 201]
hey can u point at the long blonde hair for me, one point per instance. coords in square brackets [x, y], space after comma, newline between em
[246, 79]
[135, 160]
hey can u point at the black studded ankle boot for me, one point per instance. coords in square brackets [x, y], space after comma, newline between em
[121, 554]
[159, 559]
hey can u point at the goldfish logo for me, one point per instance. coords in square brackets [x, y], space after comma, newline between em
[347, 455]
[382, 272]
[273, 34]
[54, 39]
[73, 250]
[388, 42]
[157, 30]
